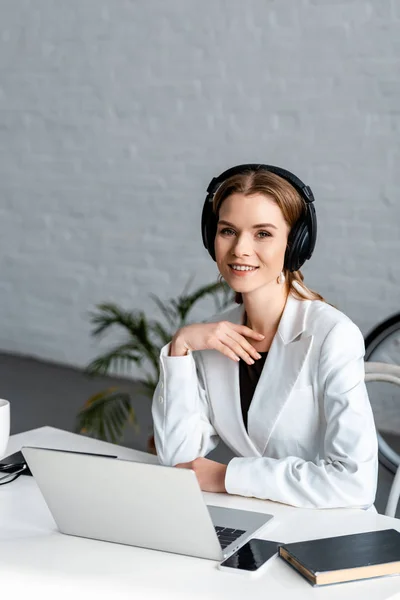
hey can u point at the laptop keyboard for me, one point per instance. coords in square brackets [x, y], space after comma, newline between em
[226, 535]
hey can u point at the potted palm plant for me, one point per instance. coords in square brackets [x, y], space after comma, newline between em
[106, 414]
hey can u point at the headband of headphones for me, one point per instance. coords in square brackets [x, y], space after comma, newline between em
[303, 235]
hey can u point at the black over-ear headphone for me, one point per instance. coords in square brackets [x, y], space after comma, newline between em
[302, 237]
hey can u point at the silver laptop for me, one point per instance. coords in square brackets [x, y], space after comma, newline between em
[139, 504]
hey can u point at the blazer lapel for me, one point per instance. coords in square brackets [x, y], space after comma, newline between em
[288, 351]
[222, 375]
[223, 383]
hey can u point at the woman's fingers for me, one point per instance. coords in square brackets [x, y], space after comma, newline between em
[224, 336]
[249, 350]
[229, 340]
[247, 332]
[239, 350]
[224, 349]
[234, 350]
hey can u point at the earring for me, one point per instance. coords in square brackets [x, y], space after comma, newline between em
[220, 279]
[281, 278]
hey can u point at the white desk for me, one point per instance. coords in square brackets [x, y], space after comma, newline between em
[37, 560]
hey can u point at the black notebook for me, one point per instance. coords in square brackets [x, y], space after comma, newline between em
[345, 558]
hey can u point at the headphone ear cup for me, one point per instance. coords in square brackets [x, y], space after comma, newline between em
[298, 247]
[208, 227]
[301, 241]
[211, 235]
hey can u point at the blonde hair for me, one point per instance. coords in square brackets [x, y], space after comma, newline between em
[289, 201]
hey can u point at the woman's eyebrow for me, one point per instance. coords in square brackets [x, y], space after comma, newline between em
[264, 225]
[222, 222]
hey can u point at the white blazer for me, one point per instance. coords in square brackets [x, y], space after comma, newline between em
[311, 439]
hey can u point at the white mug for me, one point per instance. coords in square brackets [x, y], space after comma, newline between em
[4, 426]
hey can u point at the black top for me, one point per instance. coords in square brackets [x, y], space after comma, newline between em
[248, 379]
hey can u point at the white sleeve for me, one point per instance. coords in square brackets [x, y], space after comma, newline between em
[181, 412]
[346, 476]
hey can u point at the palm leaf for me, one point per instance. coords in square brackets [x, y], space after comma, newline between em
[224, 297]
[143, 338]
[140, 345]
[109, 314]
[105, 415]
[117, 359]
[185, 303]
[187, 285]
[163, 334]
[168, 312]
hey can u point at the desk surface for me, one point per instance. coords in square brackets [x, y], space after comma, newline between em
[35, 557]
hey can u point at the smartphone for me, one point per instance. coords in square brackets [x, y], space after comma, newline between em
[251, 558]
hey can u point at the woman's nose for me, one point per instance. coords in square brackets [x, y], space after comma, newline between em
[242, 246]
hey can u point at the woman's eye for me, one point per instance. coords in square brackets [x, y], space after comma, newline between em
[227, 231]
[264, 234]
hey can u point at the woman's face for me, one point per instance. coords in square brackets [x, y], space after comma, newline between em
[252, 233]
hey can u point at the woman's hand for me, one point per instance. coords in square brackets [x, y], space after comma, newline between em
[224, 336]
[210, 474]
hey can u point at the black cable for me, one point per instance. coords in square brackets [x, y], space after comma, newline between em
[9, 480]
[11, 470]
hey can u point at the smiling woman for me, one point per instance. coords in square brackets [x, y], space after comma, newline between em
[286, 207]
[279, 378]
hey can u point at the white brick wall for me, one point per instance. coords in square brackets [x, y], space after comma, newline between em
[114, 115]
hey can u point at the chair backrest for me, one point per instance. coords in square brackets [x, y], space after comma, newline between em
[377, 371]
[388, 373]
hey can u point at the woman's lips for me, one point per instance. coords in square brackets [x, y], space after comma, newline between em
[242, 273]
